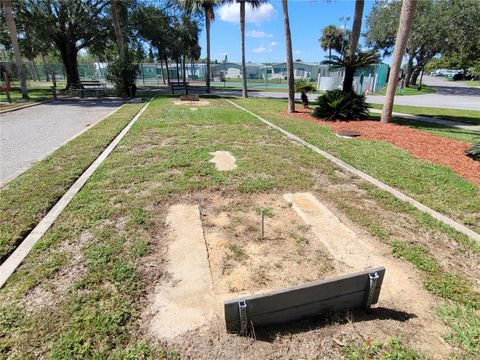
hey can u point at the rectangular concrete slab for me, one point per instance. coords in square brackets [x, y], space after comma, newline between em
[299, 302]
[185, 302]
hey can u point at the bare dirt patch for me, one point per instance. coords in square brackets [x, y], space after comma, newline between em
[425, 146]
[293, 252]
[192, 103]
[223, 160]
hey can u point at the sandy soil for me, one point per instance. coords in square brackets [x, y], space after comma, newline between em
[223, 160]
[192, 103]
[296, 251]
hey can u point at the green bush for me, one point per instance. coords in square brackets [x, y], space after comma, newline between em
[339, 105]
[474, 151]
[303, 87]
[122, 74]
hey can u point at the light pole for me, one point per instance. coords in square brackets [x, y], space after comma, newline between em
[344, 20]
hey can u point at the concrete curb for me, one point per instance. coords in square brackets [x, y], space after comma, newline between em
[398, 194]
[16, 258]
[24, 170]
[25, 106]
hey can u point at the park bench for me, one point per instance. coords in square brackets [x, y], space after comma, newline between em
[179, 86]
[96, 86]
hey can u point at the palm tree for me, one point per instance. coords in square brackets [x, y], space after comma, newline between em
[12, 29]
[332, 38]
[404, 28]
[357, 26]
[288, 45]
[208, 8]
[118, 30]
[253, 4]
[351, 63]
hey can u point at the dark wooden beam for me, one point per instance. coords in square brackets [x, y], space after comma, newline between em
[343, 292]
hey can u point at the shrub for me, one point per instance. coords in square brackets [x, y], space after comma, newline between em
[474, 151]
[304, 87]
[122, 74]
[338, 105]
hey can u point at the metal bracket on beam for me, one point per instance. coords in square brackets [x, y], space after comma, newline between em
[242, 311]
[373, 279]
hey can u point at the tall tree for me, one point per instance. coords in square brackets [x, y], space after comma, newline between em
[404, 28]
[254, 4]
[430, 31]
[288, 46]
[118, 29]
[71, 25]
[331, 39]
[12, 29]
[357, 26]
[207, 7]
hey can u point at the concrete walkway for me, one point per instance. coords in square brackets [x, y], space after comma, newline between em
[444, 122]
[28, 135]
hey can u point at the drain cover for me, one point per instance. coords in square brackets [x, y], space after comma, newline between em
[349, 133]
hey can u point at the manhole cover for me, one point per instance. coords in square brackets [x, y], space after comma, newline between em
[349, 133]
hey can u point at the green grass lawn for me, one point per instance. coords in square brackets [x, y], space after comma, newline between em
[35, 94]
[97, 257]
[27, 199]
[432, 185]
[408, 91]
[466, 116]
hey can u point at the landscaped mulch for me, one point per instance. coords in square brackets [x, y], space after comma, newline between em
[429, 147]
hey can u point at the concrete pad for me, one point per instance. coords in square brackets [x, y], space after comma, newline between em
[185, 302]
[223, 160]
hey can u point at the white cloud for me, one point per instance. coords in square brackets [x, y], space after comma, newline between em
[231, 13]
[258, 34]
[297, 52]
[265, 48]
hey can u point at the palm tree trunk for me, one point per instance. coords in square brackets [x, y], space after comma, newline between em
[47, 77]
[357, 25]
[288, 44]
[166, 66]
[118, 30]
[404, 29]
[12, 30]
[161, 69]
[207, 31]
[242, 35]
[184, 69]
[409, 70]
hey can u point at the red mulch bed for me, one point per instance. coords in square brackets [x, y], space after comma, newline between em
[425, 146]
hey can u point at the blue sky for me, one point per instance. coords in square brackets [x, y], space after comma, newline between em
[265, 32]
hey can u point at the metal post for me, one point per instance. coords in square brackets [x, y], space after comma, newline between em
[344, 19]
[262, 224]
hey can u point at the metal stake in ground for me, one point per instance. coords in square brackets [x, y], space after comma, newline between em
[262, 224]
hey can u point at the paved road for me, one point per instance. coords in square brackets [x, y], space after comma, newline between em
[28, 135]
[448, 94]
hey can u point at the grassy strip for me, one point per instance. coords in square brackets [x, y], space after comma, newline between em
[26, 199]
[36, 95]
[378, 350]
[465, 116]
[98, 311]
[433, 185]
[413, 90]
